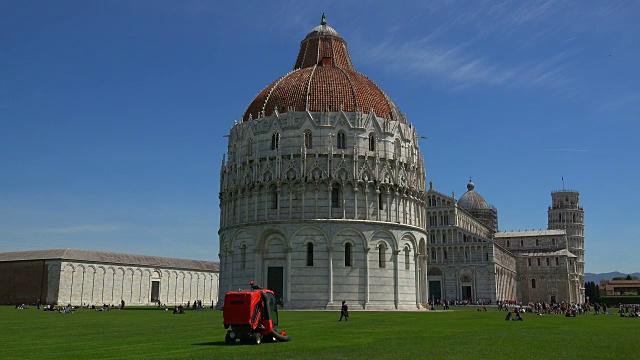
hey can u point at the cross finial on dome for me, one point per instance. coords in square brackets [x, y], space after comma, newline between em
[324, 20]
[470, 185]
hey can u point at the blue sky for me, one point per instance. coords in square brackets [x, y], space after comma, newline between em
[112, 113]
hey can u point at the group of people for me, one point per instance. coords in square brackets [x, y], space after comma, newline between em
[631, 311]
[516, 315]
[63, 309]
[197, 304]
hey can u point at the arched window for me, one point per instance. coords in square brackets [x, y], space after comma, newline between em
[433, 254]
[243, 256]
[308, 139]
[335, 196]
[250, 147]
[275, 141]
[372, 142]
[309, 254]
[381, 255]
[347, 254]
[380, 201]
[407, 259]
[274, 199]
[533, 283]
[342, 143]
[444, 254]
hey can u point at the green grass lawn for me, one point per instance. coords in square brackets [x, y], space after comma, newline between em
[458, 334]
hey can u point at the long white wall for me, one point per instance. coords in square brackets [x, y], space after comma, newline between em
[89, 283]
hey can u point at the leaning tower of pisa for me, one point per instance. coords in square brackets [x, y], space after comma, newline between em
[566, 213]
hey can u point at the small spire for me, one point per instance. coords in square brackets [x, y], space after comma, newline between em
[324, 20]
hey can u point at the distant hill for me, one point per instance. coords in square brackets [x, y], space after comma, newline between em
[605, 276]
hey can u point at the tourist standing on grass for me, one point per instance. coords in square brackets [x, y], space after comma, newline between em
[344, 311]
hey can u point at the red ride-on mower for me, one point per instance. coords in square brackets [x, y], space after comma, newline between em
[252, 316]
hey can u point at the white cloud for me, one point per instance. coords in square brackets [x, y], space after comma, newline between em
[461, 67]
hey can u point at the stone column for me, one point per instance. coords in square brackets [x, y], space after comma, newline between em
[303, 189]
[396, 276]
[316, 202]
[366, 279]
[417, 278]
[290, 201]
[257, 265]
[366, 201]
[355, 200]
[256, 193]
[343, 201]
[378, 204]
[330, 250]
[388, 211]
[287, 285]
[397, 206]
[279, 192]
[247, 195]
[229, 271]
[330, 199]
[266, 203]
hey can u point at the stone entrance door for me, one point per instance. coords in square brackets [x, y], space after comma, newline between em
[435, 290]
[155, 291]
[275, 280]
[466, 293]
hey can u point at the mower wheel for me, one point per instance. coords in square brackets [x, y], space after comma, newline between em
[256, 338]
[229, 340]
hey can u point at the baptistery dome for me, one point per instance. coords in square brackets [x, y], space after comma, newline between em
[323, 79]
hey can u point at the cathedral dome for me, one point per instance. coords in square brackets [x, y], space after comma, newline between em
[471, 200]
[323, 80]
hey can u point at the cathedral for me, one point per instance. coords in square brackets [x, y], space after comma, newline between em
[470, 260]
[323, 198]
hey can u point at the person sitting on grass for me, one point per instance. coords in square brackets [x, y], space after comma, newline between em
[518, 317]
[508, 317]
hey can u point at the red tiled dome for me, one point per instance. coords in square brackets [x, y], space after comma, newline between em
[323, 79]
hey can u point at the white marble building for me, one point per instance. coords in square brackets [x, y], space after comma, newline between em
[471, 260]
[322, 192]
[76, 277]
